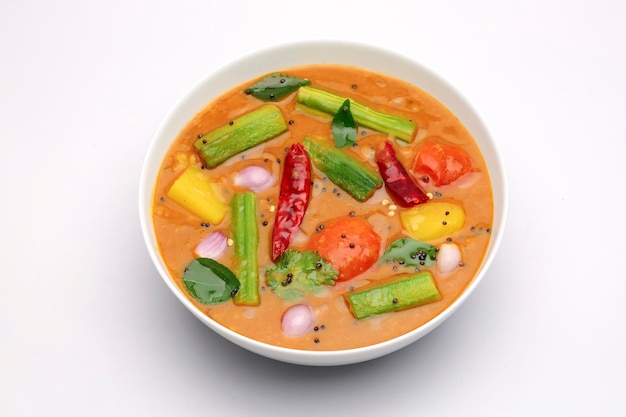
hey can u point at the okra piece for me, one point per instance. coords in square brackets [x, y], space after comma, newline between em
[240, 134]
[310, 98]
[347, 172]
[400, 294]
[246, 242]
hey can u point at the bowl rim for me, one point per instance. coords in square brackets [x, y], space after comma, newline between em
[335, 52]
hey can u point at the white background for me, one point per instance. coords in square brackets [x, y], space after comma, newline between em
[87, 326]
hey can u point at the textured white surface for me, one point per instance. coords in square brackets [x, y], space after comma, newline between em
[88, 328]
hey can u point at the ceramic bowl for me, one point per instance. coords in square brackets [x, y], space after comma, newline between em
[287, 55]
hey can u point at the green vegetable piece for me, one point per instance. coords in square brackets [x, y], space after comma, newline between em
[410, 252]
[240, 134]
[350, 174]
[297, 273]
[319, 101]
[344, 126]
[246, 244]
[209, 282]
[408, 292]
[275, 86]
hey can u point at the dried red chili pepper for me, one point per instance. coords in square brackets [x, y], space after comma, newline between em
[293, 200]
[398, 183]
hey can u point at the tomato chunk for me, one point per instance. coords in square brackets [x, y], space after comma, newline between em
[349, 244]
[442, 163]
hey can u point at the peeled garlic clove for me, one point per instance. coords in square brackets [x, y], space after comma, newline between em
[448, 258]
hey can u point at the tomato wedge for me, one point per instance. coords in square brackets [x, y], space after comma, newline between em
[349, 244]
[441, 163]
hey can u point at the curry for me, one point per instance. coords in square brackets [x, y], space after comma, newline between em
[323, 207]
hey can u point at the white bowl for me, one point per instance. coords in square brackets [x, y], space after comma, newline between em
[319, 52]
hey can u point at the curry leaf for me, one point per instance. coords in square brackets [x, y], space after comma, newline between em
[275, 86]
[344, 126]
[410, 252]
[210, 282]
[297, 273]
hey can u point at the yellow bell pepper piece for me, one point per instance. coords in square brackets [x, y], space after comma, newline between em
[432, 220]
[195, 192]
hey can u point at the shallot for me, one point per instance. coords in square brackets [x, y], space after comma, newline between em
[448, 257]
[255, 178]
[212, 246]
[298, 320]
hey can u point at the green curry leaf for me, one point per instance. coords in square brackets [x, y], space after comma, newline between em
[210, 282]
[297, 273]
[410, 252]
[344, 126]
[275, 86]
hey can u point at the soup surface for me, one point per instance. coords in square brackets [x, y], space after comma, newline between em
[453, 173]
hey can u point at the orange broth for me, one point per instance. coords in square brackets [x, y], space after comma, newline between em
[179, 232]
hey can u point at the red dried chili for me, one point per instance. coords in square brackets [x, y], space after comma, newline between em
[398, 183]
[293, 200]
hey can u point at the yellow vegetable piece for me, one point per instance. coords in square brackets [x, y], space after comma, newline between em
[433, 220]
[195, 192]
